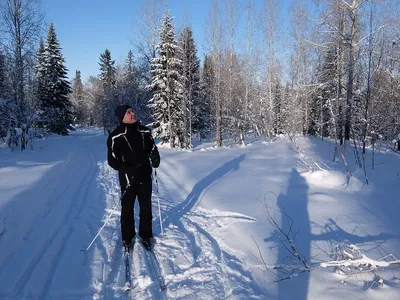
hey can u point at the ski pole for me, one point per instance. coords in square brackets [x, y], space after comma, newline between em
[158, 200]
[105, 223]
[155, 175]
[108, 218]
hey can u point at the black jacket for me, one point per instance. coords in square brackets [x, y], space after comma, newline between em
[130, 148]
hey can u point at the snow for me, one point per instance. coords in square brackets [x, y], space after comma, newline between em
[55, 198]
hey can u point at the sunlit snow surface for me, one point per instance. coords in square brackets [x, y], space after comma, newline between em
[54, 199]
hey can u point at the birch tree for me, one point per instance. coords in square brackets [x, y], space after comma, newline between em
[215, 39]
[21, 23]
[299, 61]
[249, 109]
[234, 102]
[270, 16]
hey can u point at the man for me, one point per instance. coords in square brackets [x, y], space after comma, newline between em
[133, 153]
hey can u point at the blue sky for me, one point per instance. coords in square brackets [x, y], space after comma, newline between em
[85, 28]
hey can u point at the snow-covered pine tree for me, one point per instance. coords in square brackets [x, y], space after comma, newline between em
[325, 108]
[80, 112]
[4, 81]
[109, 100]
[57, 106]
[328, 91]
[135, 91]
[234, 88]
[130, 86]
[203, 120]
[278, 99]
[7, 107]
[191, 85]
[285, 110]
[313, 114]
[4, 97]
[167, 86]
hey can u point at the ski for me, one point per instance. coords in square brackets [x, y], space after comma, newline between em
[128, 277]
[155, 266]
[157, 269]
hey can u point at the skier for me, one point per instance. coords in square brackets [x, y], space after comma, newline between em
[133, 153]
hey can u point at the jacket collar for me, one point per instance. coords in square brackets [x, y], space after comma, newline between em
[123, 127]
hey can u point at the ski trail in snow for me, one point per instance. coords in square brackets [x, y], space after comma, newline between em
[40, 252]
[61, 235]
[198, 263]
[111, 285]
[41, 242]
[110, 254]
[2, 225]
[193, 259]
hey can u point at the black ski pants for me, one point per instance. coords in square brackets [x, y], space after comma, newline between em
[141, 190]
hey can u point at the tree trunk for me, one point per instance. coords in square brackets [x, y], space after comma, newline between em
[368, 96]
[339, 100]
[350, 82]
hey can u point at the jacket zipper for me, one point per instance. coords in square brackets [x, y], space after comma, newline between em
[130, 147]
[128, 143]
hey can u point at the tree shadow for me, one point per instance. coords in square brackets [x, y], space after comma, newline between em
[221, 282]
[192, 199]
[331, 231]
[295, 204]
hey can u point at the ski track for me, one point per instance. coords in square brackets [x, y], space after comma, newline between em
[194, 263]
[208, 267]
[155, 293]
[59, 217]
[33, 225]
[73, 212]
[111, 256]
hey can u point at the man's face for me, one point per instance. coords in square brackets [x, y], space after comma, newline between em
[129, 117]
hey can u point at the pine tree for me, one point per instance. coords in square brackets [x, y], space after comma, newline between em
[203, 120]
[134, 88]
[4, 96]
[285, 111]
[41, 79]
[191, 85]
[167, 87]
[109, 99]
[78, 99]
[130, 85]
[4, 84]
[107, 70]
[57, 106]
[326, 94]
[277, 94]
[130, 79]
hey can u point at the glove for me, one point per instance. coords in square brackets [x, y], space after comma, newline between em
[154, 157]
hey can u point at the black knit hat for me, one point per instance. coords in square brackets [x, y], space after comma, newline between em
[120, 111]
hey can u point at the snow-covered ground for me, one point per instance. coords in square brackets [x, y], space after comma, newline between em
[55, 198]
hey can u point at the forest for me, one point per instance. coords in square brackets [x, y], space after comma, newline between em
[334, 73]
